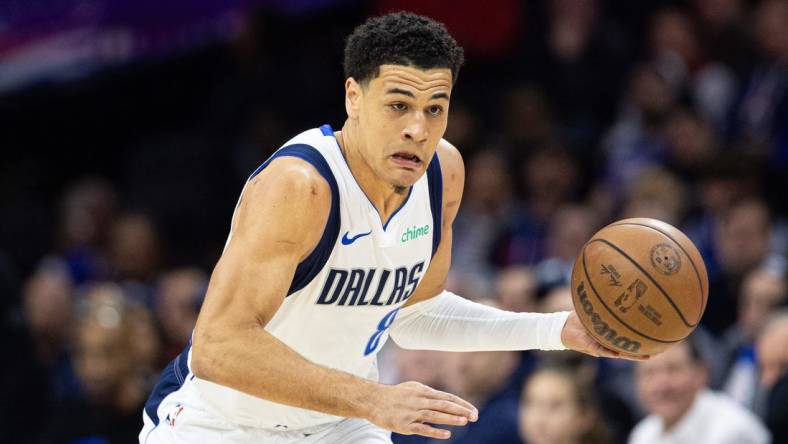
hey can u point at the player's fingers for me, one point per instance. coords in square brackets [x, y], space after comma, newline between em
[418, 428]
[607, 353]
[473, 412]
[604, 352]
[442, 405]
[438, 417]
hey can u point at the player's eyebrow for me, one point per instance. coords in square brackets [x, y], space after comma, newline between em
[404, 92]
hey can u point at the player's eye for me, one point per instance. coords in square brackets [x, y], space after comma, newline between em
[398, 106]
[435, 110]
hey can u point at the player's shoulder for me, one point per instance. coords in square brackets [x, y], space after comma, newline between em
[452, 170]
[292, 180]
[450, 158]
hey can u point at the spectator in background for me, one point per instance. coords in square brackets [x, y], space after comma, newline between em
[679, 56]
[428, 367]
[516, 288]
[492, 381]
[658, 194]
[570, 228]
[672, 388]
[609, 378]
[464, 128]
[145, 345]
[578, 39]
[760, 125]
[637, 140]
[550, 177]
[25, 382]
[486, 208]
[135, 254]
[107, 366]
[86, 215]
[527, 119]
[772, 346]
[762, 291]
[559, 407]
[179, 295]
[741, 243]
[48, 301]
[692, 143]
[722, 182]
[724, 32]
[558, 298]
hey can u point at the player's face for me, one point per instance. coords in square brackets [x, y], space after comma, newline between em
[401, 116]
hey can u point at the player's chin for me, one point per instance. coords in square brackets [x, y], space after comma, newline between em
[405, 176]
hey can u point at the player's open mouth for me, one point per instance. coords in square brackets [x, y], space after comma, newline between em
[406, 159]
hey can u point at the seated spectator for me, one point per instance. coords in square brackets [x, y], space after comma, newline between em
[762, 291]
[759, 124]
[179, 294]
[107, 367]
[135, 252]
[47, 304]
[516, 288]
[492, 381]
[558, 298]
[692, 143]
[741, 243]
[570, 228]
[87, 211]
[559, 407]
[658, 194]
[673, 389]
[636, 141]
[486, 210]
[772, 349]
[428, 367]
[608, 382]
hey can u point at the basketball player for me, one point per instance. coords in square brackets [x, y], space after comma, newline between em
[339, 240]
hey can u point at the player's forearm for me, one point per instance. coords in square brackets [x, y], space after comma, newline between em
[257, 363]
[450, 323]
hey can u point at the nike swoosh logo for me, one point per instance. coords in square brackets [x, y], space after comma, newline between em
[347, 241]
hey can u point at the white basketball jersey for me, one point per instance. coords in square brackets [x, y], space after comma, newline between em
[346, 294]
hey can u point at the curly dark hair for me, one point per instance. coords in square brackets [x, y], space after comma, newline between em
[400, 38]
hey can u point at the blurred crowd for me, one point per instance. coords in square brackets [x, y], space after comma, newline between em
[570, 114]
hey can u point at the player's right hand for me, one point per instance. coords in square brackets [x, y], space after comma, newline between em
[409, 407]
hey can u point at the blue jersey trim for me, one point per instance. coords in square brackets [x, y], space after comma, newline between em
[171, 379]
[410, 191]
[435, 184]
[328, 131]
[311, 266]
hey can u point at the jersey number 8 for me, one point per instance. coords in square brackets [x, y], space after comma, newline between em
[383, 325]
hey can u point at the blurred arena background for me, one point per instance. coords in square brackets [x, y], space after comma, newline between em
[129, 127]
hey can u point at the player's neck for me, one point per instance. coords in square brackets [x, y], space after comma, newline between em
[381, 193]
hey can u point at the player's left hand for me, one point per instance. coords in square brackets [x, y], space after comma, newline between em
[575, 337]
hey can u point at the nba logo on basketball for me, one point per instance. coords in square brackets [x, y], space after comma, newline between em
[631, 295]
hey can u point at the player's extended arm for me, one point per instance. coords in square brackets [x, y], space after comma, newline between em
[280, 219]
[435, 319]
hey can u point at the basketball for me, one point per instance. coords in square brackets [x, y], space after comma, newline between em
[639, 285]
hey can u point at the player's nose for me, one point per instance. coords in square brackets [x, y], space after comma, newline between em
[416, 129]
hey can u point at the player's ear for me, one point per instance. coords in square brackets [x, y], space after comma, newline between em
[353, 94]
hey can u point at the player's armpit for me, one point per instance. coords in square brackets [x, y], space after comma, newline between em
[453, 172]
